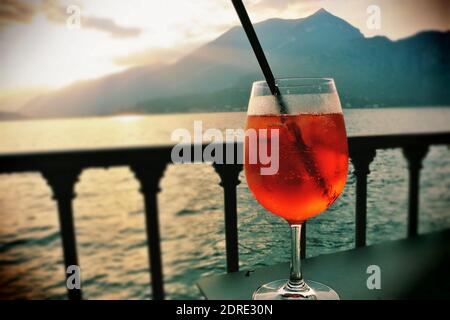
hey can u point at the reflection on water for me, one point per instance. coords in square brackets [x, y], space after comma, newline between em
[110, 222]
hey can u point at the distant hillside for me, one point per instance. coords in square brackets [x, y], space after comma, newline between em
[10, 116]
[13, 101]
[217, 77]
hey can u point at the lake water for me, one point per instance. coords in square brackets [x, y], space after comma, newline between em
[109, 209]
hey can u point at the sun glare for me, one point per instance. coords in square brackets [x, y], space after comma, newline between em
[127, 118]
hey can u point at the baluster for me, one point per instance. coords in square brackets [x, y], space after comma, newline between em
[62, 183]
[414, 155]
[149, 177]
[361, 159]
[229, 179]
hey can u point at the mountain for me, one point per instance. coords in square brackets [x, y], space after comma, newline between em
[6, 115]
[217, 76]
[12, 101]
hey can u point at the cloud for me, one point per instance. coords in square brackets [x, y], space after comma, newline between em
[23, 12]
[57, 13]
[281, 4]
[15, 11]
[155, 55]
[109, 26]
[278, 4]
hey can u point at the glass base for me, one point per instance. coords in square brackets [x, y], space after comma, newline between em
[278, 290]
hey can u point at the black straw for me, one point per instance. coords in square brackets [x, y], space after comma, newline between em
[253, 38]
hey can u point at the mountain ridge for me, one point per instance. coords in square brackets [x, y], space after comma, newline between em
[318, 45]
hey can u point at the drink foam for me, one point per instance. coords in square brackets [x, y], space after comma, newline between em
[296, 104]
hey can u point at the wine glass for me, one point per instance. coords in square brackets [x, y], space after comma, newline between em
[303, 129]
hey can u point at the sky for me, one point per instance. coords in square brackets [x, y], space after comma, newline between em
[48, 44]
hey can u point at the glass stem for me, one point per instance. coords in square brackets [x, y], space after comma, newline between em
[296, 282]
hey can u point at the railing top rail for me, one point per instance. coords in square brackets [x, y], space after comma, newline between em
[388, 141]
[106, 157]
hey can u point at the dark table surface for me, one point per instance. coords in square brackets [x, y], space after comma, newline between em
[409, 268]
